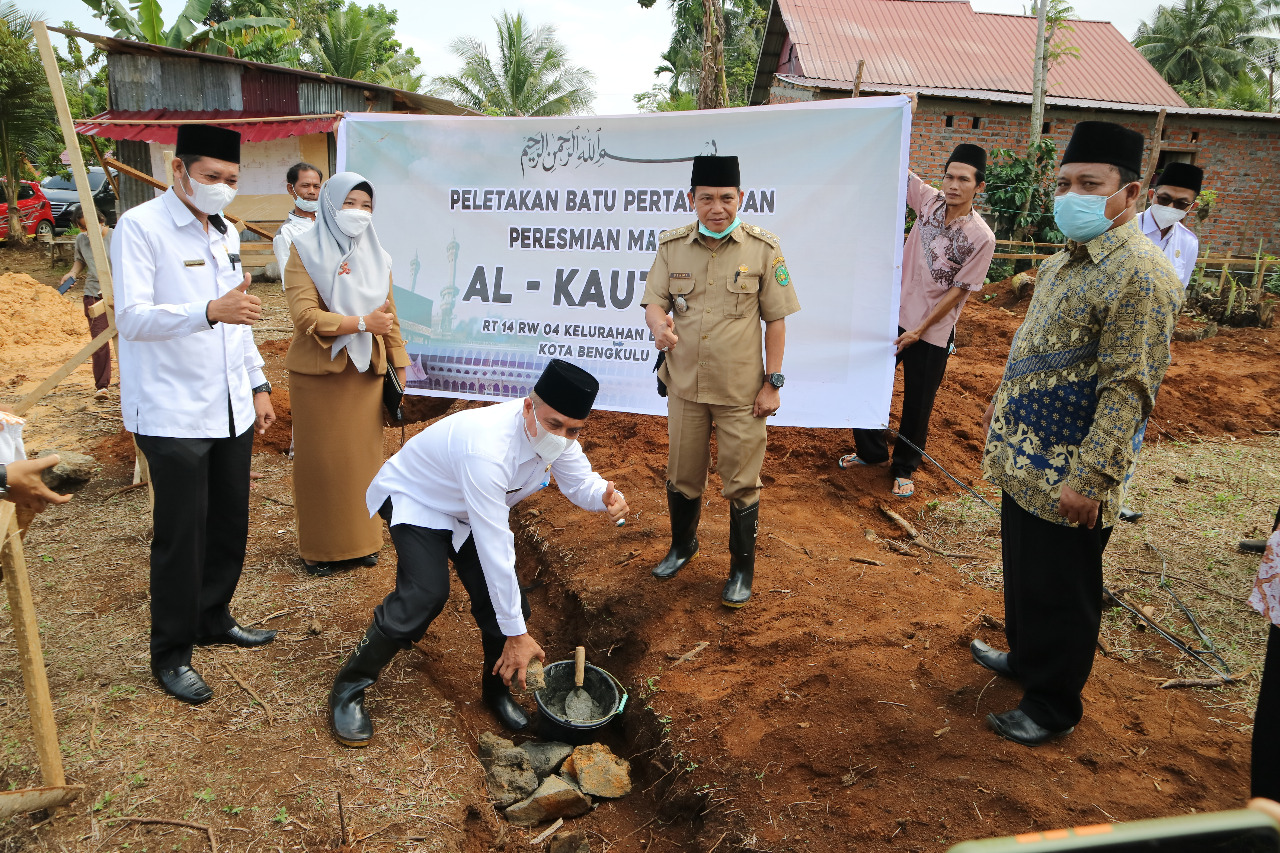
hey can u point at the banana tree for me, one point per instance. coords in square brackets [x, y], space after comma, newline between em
[191, 30]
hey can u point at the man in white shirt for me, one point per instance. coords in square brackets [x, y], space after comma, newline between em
[303, 183]
[447, 495]
[1171, 199]
[192, 391]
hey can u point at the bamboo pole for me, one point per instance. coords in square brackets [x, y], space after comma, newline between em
[27, 635]
[857, 80]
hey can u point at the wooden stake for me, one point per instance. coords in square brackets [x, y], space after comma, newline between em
[63, 372]
[115, 185]
[857, 80]
[1155, 154]
[27, 635]
[100, 259]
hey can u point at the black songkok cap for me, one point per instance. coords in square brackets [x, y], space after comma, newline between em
[715, 172]
[1104, 142]
[970, 155]
[567, 388]
[1182, 175]
[203, 140]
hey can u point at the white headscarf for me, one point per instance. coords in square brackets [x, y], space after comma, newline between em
[324, 249]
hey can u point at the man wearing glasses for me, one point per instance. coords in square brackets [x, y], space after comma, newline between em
[1171, 199]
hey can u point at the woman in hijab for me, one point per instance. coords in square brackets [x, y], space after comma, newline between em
[338, 283]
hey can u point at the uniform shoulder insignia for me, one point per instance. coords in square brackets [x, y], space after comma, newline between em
[676, 233]
[767, 236]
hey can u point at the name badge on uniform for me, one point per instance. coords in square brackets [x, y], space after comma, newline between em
[681, 275]
[198, 262]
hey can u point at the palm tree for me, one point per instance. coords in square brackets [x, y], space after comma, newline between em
[1204, 46]
[27, 121]
[348, 44]
[191, 30]
[532, 77]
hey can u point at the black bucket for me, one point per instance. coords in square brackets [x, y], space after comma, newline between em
[603, 688]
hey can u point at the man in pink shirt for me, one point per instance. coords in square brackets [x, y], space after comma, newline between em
[946, 256]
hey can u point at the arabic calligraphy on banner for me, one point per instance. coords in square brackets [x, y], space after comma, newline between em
[515, 241]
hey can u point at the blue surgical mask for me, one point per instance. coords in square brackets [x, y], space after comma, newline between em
[1082, 217]
[702, 229]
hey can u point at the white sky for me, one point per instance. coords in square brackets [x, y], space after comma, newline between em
[616, 39]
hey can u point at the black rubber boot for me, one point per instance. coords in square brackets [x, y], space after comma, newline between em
[351, 725]
[496, 695]
[684, 533]
[743, 525]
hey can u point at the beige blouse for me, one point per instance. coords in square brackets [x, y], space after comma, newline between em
[315, 327]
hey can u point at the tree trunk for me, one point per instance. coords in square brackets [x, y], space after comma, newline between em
[1038, 75]
[713, 89]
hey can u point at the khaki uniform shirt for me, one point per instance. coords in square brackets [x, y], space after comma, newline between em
[726, 292]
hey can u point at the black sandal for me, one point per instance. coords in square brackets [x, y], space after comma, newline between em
[319, 569]
[367, 561]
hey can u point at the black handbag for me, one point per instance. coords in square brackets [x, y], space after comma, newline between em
[392, 395]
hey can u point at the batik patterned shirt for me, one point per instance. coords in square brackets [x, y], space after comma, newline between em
[1083, 372]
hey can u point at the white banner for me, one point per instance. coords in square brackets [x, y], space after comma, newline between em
[517, 240]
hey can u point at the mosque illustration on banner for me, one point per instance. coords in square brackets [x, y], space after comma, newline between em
[454, 357]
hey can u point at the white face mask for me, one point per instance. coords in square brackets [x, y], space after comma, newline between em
[209, 199]
[353, 222]
[1166, 216]
[306, 205]
[548, 445]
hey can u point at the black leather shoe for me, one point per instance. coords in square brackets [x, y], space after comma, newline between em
[684, 533]
[1253, 546]
[368, 561]
[505, 708]
[351, 724]
[997, 662]
[1129, 515]
[320, 569]
[183, 683]
[1019, 728]
[238, 635]
[743, 526]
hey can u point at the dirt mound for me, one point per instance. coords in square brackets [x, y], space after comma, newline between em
[35, 321]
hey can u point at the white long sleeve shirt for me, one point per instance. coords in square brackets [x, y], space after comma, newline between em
[464, 473]
[1181, 246]
[180, 376]
[283, 241]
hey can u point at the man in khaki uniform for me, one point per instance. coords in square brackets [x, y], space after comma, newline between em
[711, 285]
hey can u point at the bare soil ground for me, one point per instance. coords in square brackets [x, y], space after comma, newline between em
[838, 711]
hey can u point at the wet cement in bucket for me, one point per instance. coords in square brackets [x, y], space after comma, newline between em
[559, 677]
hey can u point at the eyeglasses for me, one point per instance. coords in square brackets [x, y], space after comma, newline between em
[1170, 201]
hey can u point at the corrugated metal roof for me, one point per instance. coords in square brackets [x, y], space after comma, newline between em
[104, 124]
[946, 44]
[385, 97]
[1015, 98]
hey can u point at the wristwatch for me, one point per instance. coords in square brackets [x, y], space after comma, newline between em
[776, 379]
[264, 388]
[360, 325]
[4, 483]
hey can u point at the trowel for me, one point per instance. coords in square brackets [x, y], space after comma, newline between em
[578, 705]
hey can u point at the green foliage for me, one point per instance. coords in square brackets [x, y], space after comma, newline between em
[1022, 183]
[744, 22]
[660, 100]
[190, 30]
[1212, 51]
[28, 126]
[532, 76]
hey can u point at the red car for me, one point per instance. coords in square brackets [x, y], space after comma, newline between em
[33, 207]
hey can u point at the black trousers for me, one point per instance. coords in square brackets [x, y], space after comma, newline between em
[201, 521]
[923, 366]
[422, 588]
[1052, 610]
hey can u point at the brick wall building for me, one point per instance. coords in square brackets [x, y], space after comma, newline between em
[811, 48]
